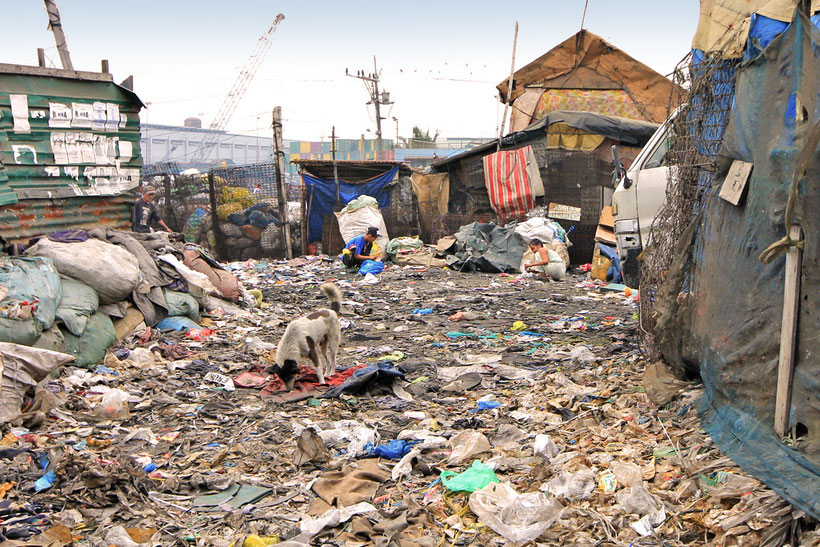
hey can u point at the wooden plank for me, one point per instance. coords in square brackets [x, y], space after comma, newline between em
[735, 183]
[788, 334]
[6, 68]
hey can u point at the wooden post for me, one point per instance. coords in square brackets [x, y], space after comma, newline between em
[280, 176]
[218, 241]
[41, 57]
[335, 168]
[104, 66]
[788, 333]
[303, 219]
[56, 27]
[509, 87]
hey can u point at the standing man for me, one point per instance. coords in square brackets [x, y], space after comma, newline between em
[145, 213]
[361, 248]
[546, 262]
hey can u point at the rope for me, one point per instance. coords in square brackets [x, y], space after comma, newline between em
[801, 165]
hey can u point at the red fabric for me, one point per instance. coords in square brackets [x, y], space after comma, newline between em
[307, 384]
[508, 185]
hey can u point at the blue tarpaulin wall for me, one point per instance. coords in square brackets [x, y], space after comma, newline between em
[730, 319]
[321, 196]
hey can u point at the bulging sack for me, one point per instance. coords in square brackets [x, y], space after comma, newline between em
[108, 269]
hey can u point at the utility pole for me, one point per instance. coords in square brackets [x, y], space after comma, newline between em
[280, 179]
[371, 83]
[59, 36]
[395, 119]
[335, 167]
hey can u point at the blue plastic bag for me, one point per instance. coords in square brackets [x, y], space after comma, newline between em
[177, 322]
[371, 267]
[394, 450]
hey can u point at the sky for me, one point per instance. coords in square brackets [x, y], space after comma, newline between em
[440, 61]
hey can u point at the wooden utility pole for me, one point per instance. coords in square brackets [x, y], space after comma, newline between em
[335, 167]
[59, 36]
[371, 82]
[280, 179]
[509, 87]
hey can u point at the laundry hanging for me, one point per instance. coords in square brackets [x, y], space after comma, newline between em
[513, 181]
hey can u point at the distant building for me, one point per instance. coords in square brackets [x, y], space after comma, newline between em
[172, 143]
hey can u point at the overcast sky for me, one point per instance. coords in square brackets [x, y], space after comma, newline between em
[440, 61]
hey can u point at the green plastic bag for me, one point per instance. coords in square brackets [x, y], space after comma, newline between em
[89, 349]
[476, 477]
[181, 304]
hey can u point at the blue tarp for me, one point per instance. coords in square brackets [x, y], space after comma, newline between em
[730, 325]
[321, 196]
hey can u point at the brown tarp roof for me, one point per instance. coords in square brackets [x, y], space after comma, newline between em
[587, 61]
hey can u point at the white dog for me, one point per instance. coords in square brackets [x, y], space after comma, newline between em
[316, 333]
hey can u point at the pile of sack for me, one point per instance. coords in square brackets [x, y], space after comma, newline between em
[78, 292]
[248, 222]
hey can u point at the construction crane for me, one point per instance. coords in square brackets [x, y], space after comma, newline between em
[238, 89]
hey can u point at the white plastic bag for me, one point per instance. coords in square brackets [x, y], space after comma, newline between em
[519, 518]
[114, 406]
[573, 486]
[545, 447]
[466, 445]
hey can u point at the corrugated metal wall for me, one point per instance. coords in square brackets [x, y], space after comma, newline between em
[28, 218]
[69, 151]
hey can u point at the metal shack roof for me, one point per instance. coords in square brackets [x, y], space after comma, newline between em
[69, 150]
[627, 131]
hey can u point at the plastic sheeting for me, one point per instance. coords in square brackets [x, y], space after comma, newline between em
[321, 196]
[724, 317]
[487, 248]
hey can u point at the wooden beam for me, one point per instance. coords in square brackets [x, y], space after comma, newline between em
[788, 333]
[41, 57]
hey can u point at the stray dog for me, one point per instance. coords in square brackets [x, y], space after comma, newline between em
[316, 333]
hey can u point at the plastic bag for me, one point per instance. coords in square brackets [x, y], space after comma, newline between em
[519, 518]
[627, 474]
[476, 477]
[466, 445]
[108, 269]
[180, 323]
[393, 450]
[371, 267]
[637, 500]
[114, 406]
[545, 447]
[574, 486]
[79, 302]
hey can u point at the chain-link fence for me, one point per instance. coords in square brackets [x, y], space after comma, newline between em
[695, 139]
[245, 212]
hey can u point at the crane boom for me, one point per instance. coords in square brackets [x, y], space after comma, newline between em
[238, 89]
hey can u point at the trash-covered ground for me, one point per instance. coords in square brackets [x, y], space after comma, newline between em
[468, 409]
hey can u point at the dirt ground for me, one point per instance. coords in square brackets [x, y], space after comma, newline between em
[542, 383]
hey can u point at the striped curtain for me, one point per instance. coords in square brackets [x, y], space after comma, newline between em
[508, 185]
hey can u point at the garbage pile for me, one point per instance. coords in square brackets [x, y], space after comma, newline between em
[466, 409]
[249, 222]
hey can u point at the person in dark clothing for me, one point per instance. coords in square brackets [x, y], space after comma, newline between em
[361, 248]
[145, 213]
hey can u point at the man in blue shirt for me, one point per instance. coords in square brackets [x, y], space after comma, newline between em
[361, 248]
